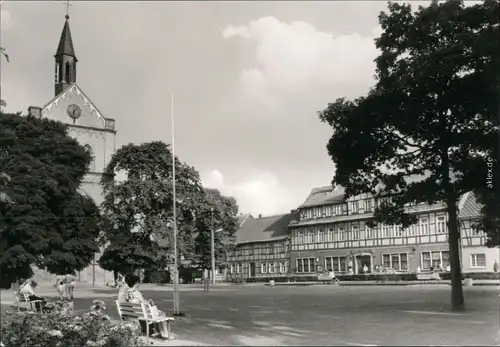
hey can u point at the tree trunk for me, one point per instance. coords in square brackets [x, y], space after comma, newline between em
[457, 295]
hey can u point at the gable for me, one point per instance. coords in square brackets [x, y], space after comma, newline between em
[57, 109]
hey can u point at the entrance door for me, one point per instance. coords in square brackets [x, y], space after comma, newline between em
[252, 269]
[363, 260]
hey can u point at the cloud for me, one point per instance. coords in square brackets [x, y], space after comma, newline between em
[296, 59]
[5, 18]
[259, 192]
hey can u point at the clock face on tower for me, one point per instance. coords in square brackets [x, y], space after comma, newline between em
[74, 111]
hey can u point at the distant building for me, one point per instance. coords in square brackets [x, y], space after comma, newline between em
[262, 247]
[474, 255]
[71, 106]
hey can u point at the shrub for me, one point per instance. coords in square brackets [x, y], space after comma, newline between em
[157, 277]
[58, 328]
[473, 275]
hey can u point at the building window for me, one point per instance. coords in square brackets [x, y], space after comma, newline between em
[396, 261]
[317, 212]
[67, 75]
[300, 238]
[305, 265]
[57, 72]
[337, 264]
[368, 205]
[369, 233]
[270, 268]
[238, 268]
[385, 231]
[330, 235]
[309, 213]
[232, 269]
[398, 230]
[329, 210]
[354, 208]
[338, 209]
[441, 225]
[311, 236]
[355, 232]
[282, 268]
[89, 150]
[435, 259]
[478, 260]
[424, 226]
[341, 234]
[328, 264]
[321, 235]
[263, 268]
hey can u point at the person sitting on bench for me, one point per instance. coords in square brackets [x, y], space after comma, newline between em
[29, 288]
[133, 295]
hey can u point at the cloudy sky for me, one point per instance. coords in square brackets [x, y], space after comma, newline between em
[248, 79]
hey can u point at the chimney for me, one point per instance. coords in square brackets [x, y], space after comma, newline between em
[260, 216]
[35, 111]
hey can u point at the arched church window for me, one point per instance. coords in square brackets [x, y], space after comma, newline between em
[68, 73]
[90, 150]
[58, 67]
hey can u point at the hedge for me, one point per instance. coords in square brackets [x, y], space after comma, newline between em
[362, 277]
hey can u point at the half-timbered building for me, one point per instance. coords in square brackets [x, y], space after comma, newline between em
[331, 233]
[262, 248]
[475, 256]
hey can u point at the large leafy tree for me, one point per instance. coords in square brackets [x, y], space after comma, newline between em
[142, 202]
[48, 222]
[132, 252]
[216, 213]
[432, 112]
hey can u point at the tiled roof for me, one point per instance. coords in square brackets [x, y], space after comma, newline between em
[324, 195]
[263, 229]
[66, 42]
[242, 218]
[329, 195]
[470, 208]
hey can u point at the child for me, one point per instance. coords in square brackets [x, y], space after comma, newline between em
[60, 286]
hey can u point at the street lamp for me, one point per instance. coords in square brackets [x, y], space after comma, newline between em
[212, 241]
[175, 288]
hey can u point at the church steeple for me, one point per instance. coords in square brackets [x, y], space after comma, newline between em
[65, 60]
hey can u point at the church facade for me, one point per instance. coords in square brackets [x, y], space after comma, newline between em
[71, 106]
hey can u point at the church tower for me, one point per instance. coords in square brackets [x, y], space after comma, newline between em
[65, 61]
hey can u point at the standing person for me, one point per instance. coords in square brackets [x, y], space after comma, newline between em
[61, 286]
[29, 288]
[70, 282]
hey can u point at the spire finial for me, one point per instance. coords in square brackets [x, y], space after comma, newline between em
[67, 9]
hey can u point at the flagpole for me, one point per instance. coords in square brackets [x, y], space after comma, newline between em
[176, 265]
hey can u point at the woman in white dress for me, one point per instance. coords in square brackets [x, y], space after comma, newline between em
[133, 295]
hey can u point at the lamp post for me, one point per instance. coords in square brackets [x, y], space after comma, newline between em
[212, 241]
[176, 308]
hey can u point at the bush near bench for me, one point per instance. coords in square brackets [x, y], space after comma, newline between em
[60, 328]
[362, 277]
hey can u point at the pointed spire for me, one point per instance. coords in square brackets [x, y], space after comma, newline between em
[66, 43]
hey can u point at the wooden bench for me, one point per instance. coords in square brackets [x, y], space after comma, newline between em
[141, 312]
[429, 276]
[25, 299]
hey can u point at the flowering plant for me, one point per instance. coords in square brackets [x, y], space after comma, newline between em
[47, 329]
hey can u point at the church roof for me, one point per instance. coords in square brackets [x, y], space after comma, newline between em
[66, 42]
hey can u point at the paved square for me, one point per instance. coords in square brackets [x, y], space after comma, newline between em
[323, 315]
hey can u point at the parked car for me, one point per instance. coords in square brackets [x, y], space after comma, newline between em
[327, 277]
